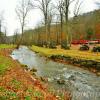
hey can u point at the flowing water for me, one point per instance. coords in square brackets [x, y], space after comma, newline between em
[83, 84]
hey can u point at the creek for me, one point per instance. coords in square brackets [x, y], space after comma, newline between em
[83, 84]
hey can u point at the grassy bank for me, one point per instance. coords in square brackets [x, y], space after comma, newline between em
[5, 46]
[87, 55]
[5, 61]
[5, 64]
[17, 83]
[85, 59]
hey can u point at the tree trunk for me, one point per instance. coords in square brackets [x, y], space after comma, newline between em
[21, 38]
[61, 39]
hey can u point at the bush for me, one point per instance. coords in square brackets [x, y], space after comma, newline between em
[96, 49]
[84, 47]
[40, 43]
[64, 45]
[52, 45]
[45, 44]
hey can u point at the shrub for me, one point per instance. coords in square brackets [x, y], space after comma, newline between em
[64, 45]
[96, 49]
[90, 33]
[84, 47]
[52, 45]
[40, 43]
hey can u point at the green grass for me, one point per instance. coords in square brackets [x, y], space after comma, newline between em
[6, 46]
[44, 51]
[5, 63]
[88, 55]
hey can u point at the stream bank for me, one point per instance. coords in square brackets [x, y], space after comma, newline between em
[18, 84]
[83, 59]
[91, 65]
[82, 84]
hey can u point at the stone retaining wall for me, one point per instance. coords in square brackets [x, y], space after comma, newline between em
[89, 64]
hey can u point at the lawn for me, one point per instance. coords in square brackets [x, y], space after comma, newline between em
[74, 53]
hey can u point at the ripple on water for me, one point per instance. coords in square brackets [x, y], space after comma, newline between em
[83, 84]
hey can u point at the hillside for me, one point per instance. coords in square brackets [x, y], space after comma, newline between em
[86, 26]
[87, 22]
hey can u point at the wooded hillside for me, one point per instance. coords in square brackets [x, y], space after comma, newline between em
[86, 26]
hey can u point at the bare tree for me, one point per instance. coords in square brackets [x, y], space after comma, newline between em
[61, 13]
[77, 7]
[44, 6]
[50, 18]
[22, 11]
[1, 27]
[1, 20]
[15, 37]
[58, 32]
[76, 12]
[66, 5]
[5, 35]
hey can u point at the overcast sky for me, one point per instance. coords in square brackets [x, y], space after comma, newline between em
[7, 9]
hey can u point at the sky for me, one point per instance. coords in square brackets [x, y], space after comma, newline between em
[11, 23]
